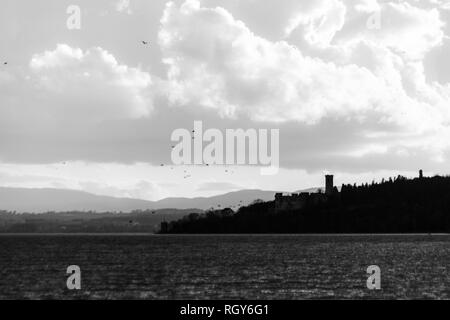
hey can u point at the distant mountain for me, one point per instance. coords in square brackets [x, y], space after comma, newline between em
[232, 200]
[42, 200]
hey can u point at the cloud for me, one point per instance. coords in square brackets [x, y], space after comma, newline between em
[68, 98]
[320, 23]
[216, 62]
[403, 27]
[123, 6]
[90, 82]
[70, 87]
[322, 16]
[345, 98]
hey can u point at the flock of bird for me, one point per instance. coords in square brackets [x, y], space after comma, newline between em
[188, 175]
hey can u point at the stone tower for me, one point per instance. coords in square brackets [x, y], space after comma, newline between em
[329, 184]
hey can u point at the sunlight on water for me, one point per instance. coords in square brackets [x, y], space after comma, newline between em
[224, 267]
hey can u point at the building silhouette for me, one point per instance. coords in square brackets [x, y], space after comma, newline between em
[296, 201]
[329, 184]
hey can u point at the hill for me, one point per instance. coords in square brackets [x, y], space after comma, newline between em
[89, 222]
[61, 200]
[398, 205]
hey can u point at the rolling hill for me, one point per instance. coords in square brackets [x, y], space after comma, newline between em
[43, 200]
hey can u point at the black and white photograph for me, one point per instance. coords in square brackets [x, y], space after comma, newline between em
[224, 150]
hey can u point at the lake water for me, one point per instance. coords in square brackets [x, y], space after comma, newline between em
[224, 266]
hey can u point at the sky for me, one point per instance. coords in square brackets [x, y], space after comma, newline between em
[357, 88]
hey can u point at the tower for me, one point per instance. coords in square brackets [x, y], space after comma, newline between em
[420, 174]
[329, 184]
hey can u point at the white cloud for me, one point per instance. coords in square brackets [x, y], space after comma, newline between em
[216, 62]
[89, 83]
[123, 6]
[405, 28]
[320, 23]
[66, 89]
[70, 103]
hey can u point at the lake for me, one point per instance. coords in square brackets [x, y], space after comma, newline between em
[224, 266]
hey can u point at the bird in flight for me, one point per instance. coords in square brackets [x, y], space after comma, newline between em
[5, 63]
[144, 42]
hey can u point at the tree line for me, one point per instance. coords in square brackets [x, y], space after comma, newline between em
[395, 205]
